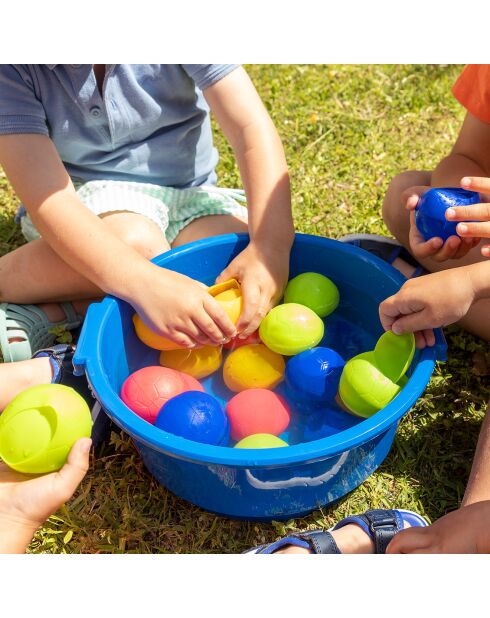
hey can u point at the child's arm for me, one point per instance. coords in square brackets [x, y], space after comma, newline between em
[469, 157]
[26, 501]
[435, 300]
[262, 267]
[171, 304]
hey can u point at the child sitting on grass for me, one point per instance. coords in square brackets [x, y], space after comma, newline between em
[114, 165]
[457, 290]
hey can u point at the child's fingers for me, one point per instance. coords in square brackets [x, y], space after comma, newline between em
[420, 342]
[449, 249]
[411, 323]
[476, 212]
[410, 197]
[430, 338]
[467, 244]
[389, 312]
[485, 251]
[476, 183]
[70, 475]
[427, 248]
[222, 327]
[420, 247]
[410, 540]
[474, 230]
[254, 323]
[251, 304]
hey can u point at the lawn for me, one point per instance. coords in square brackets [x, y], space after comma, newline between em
[347, 130]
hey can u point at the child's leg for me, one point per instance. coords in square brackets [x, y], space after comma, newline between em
[478, 487]
[466, 530]
[211, 225]
[34, 273]
[16, 377]
[397, 220]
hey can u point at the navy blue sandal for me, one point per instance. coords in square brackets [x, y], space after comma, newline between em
[387, 249]
[61, 359]
[381, 525]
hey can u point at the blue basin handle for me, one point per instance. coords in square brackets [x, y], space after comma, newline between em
[87, 341]
[298, 481]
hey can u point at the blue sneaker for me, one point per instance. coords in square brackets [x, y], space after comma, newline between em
[381, 525]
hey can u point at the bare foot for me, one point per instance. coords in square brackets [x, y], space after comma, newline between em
[465, 531]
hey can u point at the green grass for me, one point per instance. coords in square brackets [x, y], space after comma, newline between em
[347, 130]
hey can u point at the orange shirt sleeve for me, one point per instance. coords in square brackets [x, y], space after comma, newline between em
[472, 90]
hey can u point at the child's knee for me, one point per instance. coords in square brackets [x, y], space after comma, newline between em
[395, 215]
[140, 233]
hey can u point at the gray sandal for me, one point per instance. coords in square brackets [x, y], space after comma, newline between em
[31, 325]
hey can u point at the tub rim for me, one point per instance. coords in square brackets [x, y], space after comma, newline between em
[89, 349]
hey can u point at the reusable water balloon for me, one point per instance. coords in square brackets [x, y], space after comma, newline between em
[363, 388]
[198, 363]
[150, 338]
[196, 416]
[290, 329]
[229, 296]
[314, 375]
[261, 440]
[257, 410]
[146, 390]
[430, 214]
[39, 427]
[394, 353]
[315, 291]
[253, 366]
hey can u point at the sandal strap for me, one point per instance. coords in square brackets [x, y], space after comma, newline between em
[30, 324]
[380, 525]
[320, 541]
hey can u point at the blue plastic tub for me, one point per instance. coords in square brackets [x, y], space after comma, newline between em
[270, 483]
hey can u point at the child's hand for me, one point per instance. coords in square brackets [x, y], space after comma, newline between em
[26, 501]
[464, 531]
[454, 247]
[480, 213]
[428, 302]
[263, 275]
[179, 308]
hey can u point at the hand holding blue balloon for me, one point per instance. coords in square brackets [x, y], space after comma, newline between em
[432, 234]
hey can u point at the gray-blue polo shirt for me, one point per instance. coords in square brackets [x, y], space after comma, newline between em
[151, 123]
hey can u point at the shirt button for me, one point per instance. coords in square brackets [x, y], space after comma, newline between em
[95, 111]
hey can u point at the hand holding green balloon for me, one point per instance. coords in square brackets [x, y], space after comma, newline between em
[39, 427]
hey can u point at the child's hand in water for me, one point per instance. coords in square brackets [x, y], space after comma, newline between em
[26, 501]
[179, 308]
[454, 248]
[263, 275]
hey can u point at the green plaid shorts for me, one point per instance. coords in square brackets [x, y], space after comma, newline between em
[171, 209]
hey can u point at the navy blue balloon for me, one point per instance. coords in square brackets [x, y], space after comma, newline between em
[314, 375]
[196, 416]
[430, 214]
